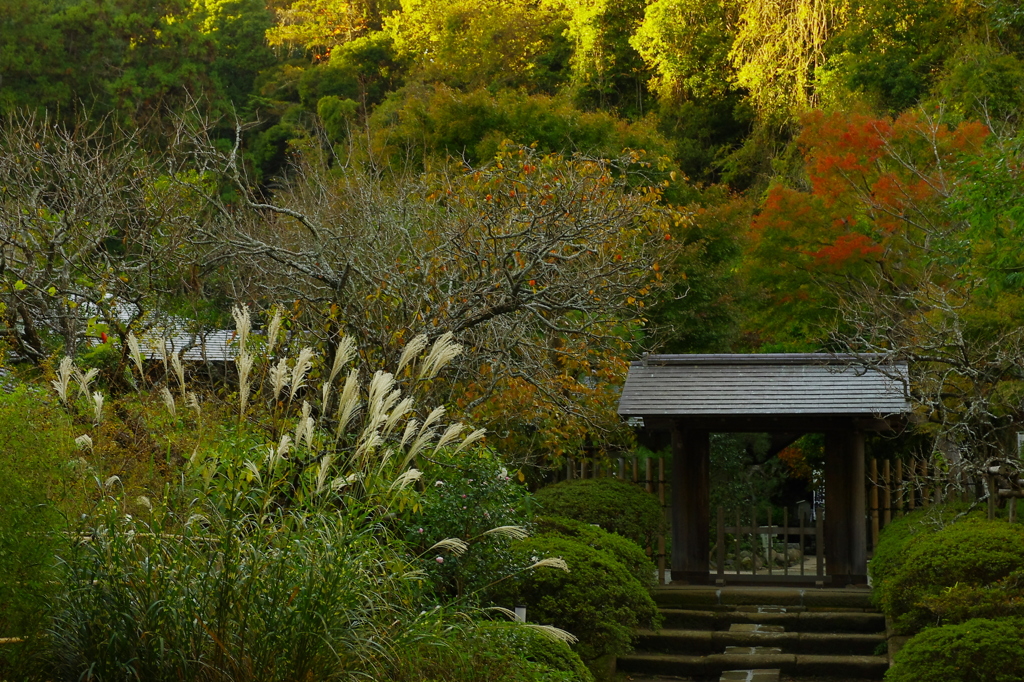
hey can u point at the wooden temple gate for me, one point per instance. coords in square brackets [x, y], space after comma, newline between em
[843, 397]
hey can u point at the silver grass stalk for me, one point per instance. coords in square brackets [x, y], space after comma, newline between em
[345, 351]
[243, 325]
[277, 454]
[84, 442]
[84, 381]
[450, 434]
[469, 440]
[324, 470]
[441, 353]
[65, 370]
[255, 471]
[97, 406]
[405, 479]
[553, 562]
[302, 365]
[454, 545]
[367, 444]
[342, 481]
[400, 410]
[165, 395]
[300, 426]
[179, 370]
[309, 432]
[136, 353]
[325, 396]
[551, 632]
[411, 350]
[193, 402]
[433, 417]
[278, 376]
[510, 532]
[410, 430]
[417, 445]
[273, 330]
[381, 386]
[348, 402]
[509, 613]
[244, 364]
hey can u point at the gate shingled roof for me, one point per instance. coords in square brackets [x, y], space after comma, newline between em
[765, 384]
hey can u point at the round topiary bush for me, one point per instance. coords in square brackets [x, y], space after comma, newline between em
[614, 505]
[625, 551]
[978, 650]
[971, 552]
[597, 600]
[541, 649]
[889, 554]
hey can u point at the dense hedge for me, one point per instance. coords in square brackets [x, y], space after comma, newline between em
[971, 553]
[978, 650]
[625, 551]
[597, 599]
[614, 505]
[889, 554]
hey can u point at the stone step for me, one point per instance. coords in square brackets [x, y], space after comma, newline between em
[758, 675]
[706, 642]
[797, 665]
[795, 619]
[709, 598]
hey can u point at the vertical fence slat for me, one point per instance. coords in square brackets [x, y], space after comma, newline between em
[819, 546]
[785, 540]
[770, 543]
[661, 536]
[925, 488]
[754, 541]
[736, 539]
[874, 503]
[802, 516]
[720, 545]
[899, 488]
[887, 497]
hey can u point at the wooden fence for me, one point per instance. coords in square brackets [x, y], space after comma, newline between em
[894, 489]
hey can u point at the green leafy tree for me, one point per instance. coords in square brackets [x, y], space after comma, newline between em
[687, 43]
[477, 43]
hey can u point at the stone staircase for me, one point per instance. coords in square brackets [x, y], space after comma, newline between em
[761, 633]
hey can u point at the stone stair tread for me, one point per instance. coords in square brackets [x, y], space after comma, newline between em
[791, 664]
[755, 675]
[815, 621]
[755, 627]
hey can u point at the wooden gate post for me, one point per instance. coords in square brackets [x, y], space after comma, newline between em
[845, 507]
[691, 515]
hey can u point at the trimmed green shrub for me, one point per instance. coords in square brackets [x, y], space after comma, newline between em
[889, 554]
[971, 552]
[597, 600]
[625, 551]
[614, 505]
[962, 602]
[464, 497]
[542, 650]
[489, 652]
[979, 650]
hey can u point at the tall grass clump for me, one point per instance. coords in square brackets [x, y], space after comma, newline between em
[279, 554]
[37, 469]
[206, 594]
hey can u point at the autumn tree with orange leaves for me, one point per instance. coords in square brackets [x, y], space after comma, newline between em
[542, 266]
[905, 241]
